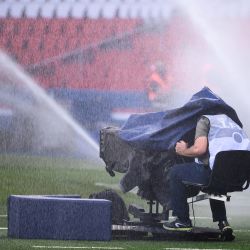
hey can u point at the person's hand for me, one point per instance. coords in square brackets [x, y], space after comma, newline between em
[180, 147]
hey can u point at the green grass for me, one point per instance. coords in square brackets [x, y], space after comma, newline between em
[241, 243]
[41, 175]
[36, 175]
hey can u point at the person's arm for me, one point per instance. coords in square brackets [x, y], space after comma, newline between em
[200, 146]
[198, 149]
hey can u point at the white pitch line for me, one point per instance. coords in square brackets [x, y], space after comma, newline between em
[3, 215]
[80, 247]
[3, 228]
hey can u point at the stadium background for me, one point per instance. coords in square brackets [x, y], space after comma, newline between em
[94, 56]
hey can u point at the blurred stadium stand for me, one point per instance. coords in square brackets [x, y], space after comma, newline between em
[95, 54]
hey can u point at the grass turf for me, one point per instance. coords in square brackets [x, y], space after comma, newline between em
[41, 175]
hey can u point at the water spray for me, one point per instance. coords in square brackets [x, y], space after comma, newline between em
[13, 78]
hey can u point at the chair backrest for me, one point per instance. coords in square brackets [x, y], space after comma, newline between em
[231, 172]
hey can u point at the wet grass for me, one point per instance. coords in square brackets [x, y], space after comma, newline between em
[46, 176]
[242, 243]
[41, 175]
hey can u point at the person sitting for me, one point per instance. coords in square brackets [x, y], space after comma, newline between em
[158, 86]
[214, 133]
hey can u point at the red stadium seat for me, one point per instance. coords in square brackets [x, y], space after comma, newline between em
[101, 53]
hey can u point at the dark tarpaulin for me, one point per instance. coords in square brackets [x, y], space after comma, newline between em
[160, 131]
[143, 149]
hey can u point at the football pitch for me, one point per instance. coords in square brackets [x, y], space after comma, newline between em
[40, 175]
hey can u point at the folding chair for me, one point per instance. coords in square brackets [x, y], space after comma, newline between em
[231, 172]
